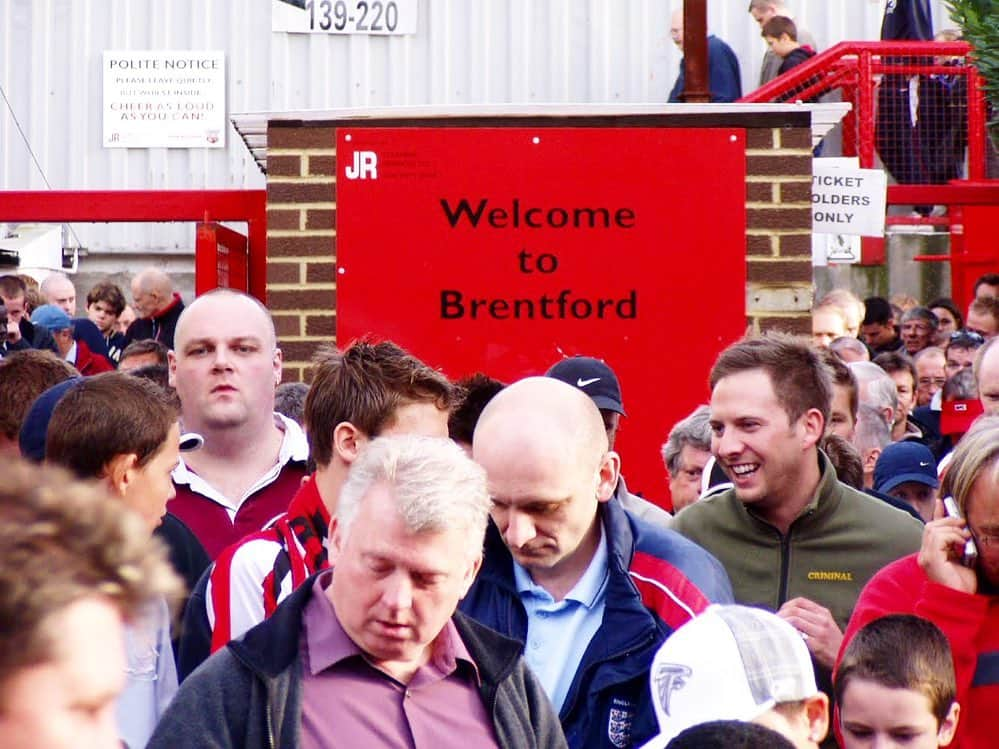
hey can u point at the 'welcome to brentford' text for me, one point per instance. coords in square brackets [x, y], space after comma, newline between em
[558, 304]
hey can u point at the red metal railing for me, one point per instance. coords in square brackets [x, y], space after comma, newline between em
[919, 106]
[856, 70]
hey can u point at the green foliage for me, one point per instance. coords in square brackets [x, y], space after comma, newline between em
[979, 22]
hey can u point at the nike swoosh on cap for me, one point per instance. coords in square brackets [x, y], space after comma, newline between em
[923, 463]
[581, 383]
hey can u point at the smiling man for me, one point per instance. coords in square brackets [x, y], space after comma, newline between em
[793, 538]
[588, 589]
[225, 368]
[372, 652]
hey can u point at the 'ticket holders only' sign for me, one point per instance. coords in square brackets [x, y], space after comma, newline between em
[504, 249]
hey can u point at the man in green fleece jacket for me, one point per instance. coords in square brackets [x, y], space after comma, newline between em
[792, 538]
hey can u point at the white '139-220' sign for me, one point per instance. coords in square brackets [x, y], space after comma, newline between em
[381, 17]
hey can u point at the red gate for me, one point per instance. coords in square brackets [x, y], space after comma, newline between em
[223, 257]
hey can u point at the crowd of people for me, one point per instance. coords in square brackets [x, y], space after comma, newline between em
[922, 112]
[788, 45]
[385, 557]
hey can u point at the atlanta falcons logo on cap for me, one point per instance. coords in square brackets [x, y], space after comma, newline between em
[670, 677]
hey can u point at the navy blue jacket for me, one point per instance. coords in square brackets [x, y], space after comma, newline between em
[724, 76]
[658, 580]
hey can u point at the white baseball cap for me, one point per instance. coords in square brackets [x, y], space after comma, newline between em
[729, 663]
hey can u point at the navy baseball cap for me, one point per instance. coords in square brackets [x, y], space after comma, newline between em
[594, 378]
[36, 423]
[902, 462]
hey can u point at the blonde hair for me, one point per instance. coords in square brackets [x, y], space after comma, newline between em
[63, 540]
[975, 455]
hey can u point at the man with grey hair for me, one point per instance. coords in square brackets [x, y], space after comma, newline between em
[850, 349]
[931, 374]
[57, 289]
[289, 400]
[872, 437]
[158, 306]
[372, 651]
[919, 329]
[877, 389]
[685, 453]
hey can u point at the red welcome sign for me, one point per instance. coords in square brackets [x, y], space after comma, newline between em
[504, 249]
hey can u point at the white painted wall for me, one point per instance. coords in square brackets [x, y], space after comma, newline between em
[464, 52]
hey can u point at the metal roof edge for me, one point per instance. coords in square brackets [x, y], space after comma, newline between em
[252, 126]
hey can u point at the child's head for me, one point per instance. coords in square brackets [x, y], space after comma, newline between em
[781, 35]
[896, 680]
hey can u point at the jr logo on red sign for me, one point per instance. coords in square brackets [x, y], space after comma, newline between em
[365, 166]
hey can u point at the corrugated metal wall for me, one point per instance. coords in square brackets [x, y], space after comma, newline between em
[464, 52]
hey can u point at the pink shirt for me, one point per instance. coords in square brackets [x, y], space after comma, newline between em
[347, 702]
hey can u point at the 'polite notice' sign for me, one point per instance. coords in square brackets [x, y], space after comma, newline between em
[504, 249]
[164, 99]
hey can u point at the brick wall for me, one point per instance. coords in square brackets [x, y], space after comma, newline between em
[778, 229]
[301, 214]
[301, 238]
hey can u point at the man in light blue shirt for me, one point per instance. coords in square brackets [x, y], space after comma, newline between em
[558, 632]
[588, 588]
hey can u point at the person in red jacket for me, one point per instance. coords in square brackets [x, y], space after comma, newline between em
[77, 353]
[958, 593]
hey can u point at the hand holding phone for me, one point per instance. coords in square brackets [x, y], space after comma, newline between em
[970, 555]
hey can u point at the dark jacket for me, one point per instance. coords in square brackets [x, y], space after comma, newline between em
[658, 580]
[85, 330]
[116, 344]
[159, 327]
[249, 694]
[724, 77]
[37, 336]
[898, 504]
[795, 58]
[188, 558]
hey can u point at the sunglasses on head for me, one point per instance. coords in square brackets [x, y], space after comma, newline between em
[967, 336]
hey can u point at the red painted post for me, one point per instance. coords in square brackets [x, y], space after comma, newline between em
[206, 269]
[977, 136]
[256, 251]
[696, 86]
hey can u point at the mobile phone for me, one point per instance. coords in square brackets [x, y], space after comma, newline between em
[970, 555]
